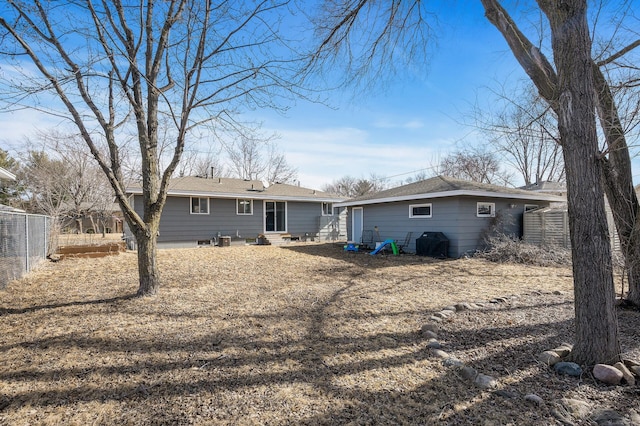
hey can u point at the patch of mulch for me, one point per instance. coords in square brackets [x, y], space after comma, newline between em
[298, 334]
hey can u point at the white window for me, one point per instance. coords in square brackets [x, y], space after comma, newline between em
[420, 210]
[244, 207]
[199, 205]
[327, 209]
[529, 207]
[486, 210]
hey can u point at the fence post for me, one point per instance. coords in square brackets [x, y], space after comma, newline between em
[26, 243]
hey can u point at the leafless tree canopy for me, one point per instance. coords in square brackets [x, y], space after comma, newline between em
[523, 131]
[127, 73]
[350, 187]
[475, 164]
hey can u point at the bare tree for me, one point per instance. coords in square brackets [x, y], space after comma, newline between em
[195, 62]
[9, 191]
[568, 87]
[350, 187]
[475, 164]
[46, 181]
[253, 157]
[570, 91]
[524, 131]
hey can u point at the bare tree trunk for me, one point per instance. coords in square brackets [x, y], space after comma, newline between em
[596, 323]
[618, 184]
[148, 272]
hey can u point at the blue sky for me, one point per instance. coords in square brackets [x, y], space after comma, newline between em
[405, 125]
[409, 122]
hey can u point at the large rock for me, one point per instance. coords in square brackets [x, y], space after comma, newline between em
[549, 357]
[562, 351]
[568, 368]
[607, 374]
[485, 382]
[626, 374]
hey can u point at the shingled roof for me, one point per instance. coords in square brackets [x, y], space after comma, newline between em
[240, 188]
[443, 186]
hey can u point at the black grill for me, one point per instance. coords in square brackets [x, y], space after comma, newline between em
[434, 244]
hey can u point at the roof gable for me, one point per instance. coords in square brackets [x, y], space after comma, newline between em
[442, 186]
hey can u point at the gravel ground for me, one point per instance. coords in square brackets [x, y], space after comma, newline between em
[300, 334]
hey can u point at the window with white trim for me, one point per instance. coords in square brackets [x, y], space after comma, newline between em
[244, 207]
[420, 210]
[327, 209]
[199, 205]
[529, 207]
[486, 209]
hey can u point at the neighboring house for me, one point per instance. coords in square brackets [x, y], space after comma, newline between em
[464, 211]
[200, 210]
[90, 219]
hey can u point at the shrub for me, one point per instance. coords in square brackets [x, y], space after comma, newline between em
[505, 249]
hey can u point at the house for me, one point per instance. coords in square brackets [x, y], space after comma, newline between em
[200, 210]
[464, 211]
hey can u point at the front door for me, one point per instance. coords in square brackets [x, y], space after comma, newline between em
[275, 216]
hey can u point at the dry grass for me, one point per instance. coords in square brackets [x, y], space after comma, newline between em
[302, 334]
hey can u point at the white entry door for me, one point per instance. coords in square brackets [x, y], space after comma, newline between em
[356, 224]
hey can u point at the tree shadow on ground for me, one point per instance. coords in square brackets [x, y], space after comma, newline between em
[111, 300]
[351, 376]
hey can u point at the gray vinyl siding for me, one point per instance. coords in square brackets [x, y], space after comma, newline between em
[455, 217]
[303, 217]
[178, 225]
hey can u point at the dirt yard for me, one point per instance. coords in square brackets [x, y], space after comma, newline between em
[302, 334]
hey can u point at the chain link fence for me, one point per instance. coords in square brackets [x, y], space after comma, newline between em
[24, 242]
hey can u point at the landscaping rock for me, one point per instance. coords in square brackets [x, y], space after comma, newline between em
[434, 344]
[430, 334]
[452, 362]
[463, 307]
[532, 397]
[626, 374]
[485, 382]
[609, 418]
[469, 373]
[549, 358]
[435, 318]
[568, 368]
[635, 370]
[562, 351]
[440, 353]
[430, 327]
[607, 374]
